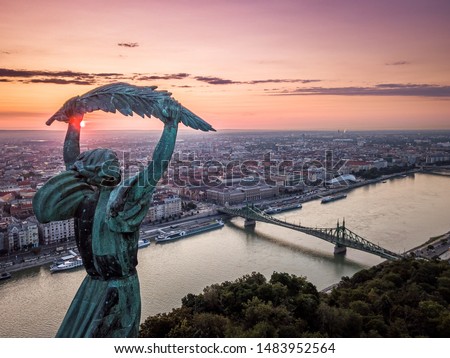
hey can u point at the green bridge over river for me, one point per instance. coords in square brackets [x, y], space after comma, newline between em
[340, 236]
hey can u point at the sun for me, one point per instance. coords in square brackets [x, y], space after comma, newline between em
[82, 124]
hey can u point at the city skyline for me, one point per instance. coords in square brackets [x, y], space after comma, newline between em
[300, 65]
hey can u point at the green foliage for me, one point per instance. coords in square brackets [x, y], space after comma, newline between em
[374, 173]
[406, 298]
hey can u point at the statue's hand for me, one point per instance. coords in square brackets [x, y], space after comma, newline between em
[75, 120]
[171, 111]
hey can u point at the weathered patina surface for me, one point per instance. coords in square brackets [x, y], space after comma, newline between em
[107, 210]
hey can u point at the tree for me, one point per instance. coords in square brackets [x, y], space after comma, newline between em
[405, 298]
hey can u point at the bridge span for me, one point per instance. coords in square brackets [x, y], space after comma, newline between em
[340, 236]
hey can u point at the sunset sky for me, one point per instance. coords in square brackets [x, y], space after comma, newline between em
[239, 64]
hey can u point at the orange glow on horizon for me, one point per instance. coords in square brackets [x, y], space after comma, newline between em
[286, 65]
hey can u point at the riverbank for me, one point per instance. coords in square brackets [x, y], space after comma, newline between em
[437, 247]
[434, 248]
[45, 258]
[327, 191]
[372, 181]
[27, 260]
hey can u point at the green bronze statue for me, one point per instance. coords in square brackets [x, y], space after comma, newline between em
[108, 211]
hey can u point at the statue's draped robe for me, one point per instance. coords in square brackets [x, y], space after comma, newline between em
[107, 303]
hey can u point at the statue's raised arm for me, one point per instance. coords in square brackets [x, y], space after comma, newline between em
[127, 99]
[129, 202]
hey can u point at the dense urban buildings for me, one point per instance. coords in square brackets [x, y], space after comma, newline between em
[230, 168]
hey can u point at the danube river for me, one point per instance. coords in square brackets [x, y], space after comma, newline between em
[398, 215]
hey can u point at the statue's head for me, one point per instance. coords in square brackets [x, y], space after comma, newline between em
[98, 167]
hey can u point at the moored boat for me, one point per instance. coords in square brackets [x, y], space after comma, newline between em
[178, 234]
[281, 208]
[5, 275]
[67, 262]
[143, 243]
[331, 198]
[66, 265]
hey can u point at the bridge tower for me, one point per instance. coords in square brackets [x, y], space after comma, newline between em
[249, 221]
[340, 248]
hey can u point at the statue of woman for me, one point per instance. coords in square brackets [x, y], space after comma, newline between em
[108, 211]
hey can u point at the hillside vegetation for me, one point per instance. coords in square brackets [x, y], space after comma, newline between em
[406, 298]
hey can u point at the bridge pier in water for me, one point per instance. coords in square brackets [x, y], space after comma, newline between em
[249, 223]
[340, 249]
